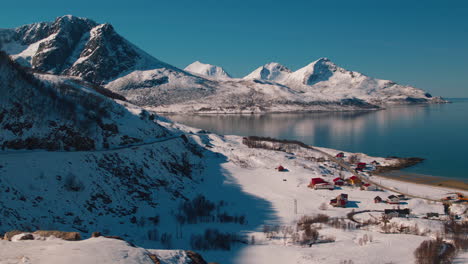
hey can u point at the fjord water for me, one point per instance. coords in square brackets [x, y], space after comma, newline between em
[438, 133]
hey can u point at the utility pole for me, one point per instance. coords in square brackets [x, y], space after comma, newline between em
[295, 206]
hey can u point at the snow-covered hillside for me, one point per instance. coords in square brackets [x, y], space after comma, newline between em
[45, 111]
[207, 70]
[96, 53]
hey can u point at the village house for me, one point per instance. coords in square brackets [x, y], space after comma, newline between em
[361, 166]
[397, 212]
[369, 187]
[340, 155]
[393, 199]
[377, 199]
[338, 181]
[325, 185]
[315, 181]
[281, 168]
[340, 200]
[354, 180]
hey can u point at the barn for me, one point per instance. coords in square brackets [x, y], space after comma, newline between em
[315, 181]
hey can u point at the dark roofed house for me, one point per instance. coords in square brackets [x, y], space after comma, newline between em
[397, 212]
[377, 199]
[393, 199]
[361, 166]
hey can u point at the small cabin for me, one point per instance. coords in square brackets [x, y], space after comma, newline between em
[369, 187]
[397, 212]
[324, 186]
[393, 199]
[338, 182]
[377, 199]
[340, 155]
[361, 166]
[375, 163]
[340, 201]
[354, 180]
[402, 197]
[280, 168]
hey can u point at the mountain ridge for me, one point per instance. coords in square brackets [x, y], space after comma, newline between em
[97, 53]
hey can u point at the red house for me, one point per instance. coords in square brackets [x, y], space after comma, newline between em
[361, 166]
[354, 180]
[340, 200]
[340, 155]
[338, 181]
[280, 168]
[315, 181]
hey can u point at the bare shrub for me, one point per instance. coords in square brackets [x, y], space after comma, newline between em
[323, 207]
[153, 234]
[353, 159]
[310, 236]
[434, 251]
[166, 240]
[72, 184]
[212, 239]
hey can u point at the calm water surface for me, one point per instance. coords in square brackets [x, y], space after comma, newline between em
[438, 133]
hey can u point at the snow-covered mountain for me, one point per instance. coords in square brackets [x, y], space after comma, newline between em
[94, 52]
[272, 71]
[207, 70]
[79, 47]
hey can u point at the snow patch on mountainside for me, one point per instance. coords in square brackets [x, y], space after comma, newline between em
[208, 70]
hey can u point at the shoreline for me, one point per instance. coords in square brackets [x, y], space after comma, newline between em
[430, 180]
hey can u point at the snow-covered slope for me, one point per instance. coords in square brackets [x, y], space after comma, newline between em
[50, 112]
[207, 70]
[97, 53]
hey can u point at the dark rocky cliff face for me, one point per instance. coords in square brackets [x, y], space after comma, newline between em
[53, 53]
[80, 47]
[107, 55]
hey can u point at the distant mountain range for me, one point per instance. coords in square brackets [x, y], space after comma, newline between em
[95, 53]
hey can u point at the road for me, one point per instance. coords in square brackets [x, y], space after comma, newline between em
[159, 140]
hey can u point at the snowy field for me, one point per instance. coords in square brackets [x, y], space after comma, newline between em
[247, 181]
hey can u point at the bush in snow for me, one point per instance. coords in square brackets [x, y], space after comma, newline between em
[72, 184]
[153, 234]
[166, 240]
[434, 251]
[212, 239]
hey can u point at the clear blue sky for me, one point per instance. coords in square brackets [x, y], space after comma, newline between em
[422, 43]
